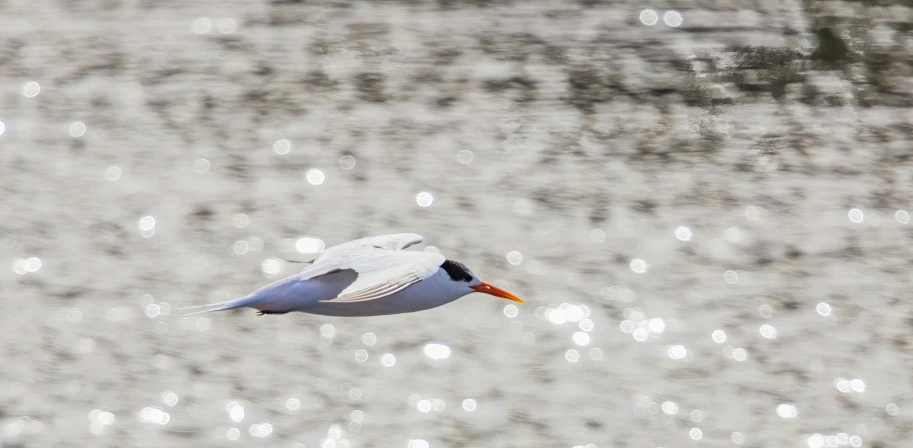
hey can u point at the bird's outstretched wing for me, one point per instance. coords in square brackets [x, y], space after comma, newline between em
[382, 267]
[396, 241]
[388, 273]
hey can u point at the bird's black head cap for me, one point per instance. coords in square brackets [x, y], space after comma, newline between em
[457, 271]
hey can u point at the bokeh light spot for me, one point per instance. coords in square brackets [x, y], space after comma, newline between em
[347, 162]
[673, 19]
[315, 176]
[77, 129]
[649, 17]
[424, 199]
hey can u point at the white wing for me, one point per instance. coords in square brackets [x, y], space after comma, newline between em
[388, 273]
[383, 268]
[397, 241]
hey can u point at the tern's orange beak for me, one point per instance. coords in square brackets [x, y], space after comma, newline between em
[495, 291]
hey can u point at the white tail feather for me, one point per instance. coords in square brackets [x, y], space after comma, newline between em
[253, 299]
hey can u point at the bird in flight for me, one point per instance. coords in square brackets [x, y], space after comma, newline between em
[370, 276]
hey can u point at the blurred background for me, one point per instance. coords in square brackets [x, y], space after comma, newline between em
[704, 205]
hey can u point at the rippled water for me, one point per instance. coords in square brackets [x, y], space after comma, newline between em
[706, 209]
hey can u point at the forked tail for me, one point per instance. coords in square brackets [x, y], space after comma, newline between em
[262, 298]
[242, 302]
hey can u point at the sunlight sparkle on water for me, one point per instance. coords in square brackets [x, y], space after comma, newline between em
[202, 25]
[292, 404]
[683, 233]
[146, 223]
[768, 331]
[857, 385]
[240, 247]
[823, 309]
[31, 89]
[464, 156]
[574, 313]
[855, 215]
[597, 236]
[315, 176]
[437, 351]
[227, 25]
[718, 336]
[649, 17]
[170, 398]
[271, 266]
[260, 429]
[154, 415]
[77, 129]
[24, 266]
[786, 410]
[424, 199]
[201, 165]
[388, 360]
[638, 266]
[347, 162]
[240, 220]
[235, 410]
[309, 245]
[586, 324]
[672, 18]
[100, 419]
[153, 310]
[282, 147]
[626, 326]
[657, 325]
[843, 385]
[581, 338]
[677, 352]
[595, 354]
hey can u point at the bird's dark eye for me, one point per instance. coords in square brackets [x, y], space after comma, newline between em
[457, 271]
